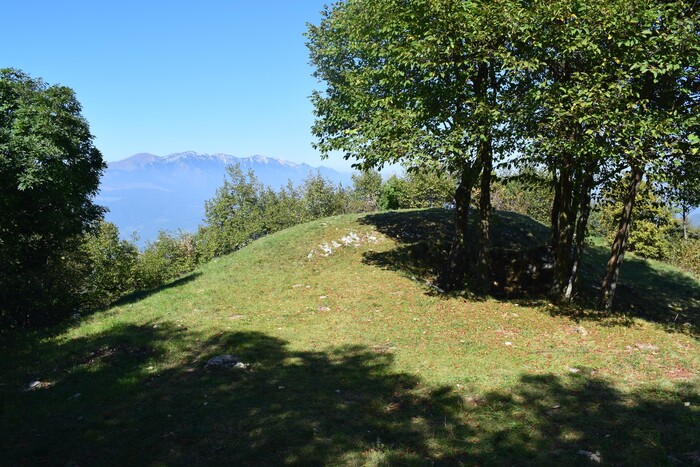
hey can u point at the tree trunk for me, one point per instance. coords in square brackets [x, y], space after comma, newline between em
[565, 227]
[484, 260]
[584, 211]
[684, 209]
[485, 160]
[617, 254]
[555, 210]
[452, 275]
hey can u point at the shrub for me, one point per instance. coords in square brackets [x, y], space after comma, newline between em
[169, 257]
[111, 265]
[528, 193]
[686, 255]
[653, 222]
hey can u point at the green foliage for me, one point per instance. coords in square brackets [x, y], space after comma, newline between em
[652, 225]
[528, 193]
[112, 265]
[49, 173]
[428, 189]
[366, 190]
[322, 198]
[168, 257]
[234, 216]
[418, 189]
[393, 193]
[686, 255]
[283, 208]
[243, 210]
[398, 80]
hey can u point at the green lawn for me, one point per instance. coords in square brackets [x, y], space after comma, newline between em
[357, 360]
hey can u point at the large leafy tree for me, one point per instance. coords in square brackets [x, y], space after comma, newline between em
[654, 118]
[49, 173]
[606, 88]
[589, 90]
[417, 83]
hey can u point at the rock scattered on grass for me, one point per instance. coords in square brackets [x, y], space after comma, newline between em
[227, 361]
[323, 308]
[36, 384]
[351, 239]
[592, 456]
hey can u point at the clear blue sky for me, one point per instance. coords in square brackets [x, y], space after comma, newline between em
[169, 76]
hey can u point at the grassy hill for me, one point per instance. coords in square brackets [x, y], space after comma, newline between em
[355, 359]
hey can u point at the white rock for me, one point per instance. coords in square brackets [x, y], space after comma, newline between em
[593, 456]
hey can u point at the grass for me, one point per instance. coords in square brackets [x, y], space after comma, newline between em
[357, 360]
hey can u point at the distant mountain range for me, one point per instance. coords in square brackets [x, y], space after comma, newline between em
[146, 193]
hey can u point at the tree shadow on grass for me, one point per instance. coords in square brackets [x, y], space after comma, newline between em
[424, 240]
[658, 295]
[137, 395]
[139, 295]
[650, 291]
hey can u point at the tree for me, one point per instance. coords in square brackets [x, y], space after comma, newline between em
[366, 189]
[655, 113]
[414, 82]
[682, 189]
[111, 265]
[322, 198]
[49, 173]
[234, 216]
[650, 231]
[604, 87]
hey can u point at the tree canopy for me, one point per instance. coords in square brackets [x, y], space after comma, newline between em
[49, 174]
[585, 90]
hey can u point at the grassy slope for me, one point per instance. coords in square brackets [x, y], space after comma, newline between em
[357, 361]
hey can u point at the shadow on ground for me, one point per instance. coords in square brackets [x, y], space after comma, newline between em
[658, 295]
[118, 398]
[424, 240]
[141, 294]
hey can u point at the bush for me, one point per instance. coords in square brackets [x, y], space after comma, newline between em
[653, 222]
[418, 189]
[529, 193]
[366, 191]
[169, 257]
[111, 264]
[322, 198]
[393, 194]
[686, 255]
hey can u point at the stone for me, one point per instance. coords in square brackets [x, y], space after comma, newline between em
[592, 456]
[226, 361]
[34, 385]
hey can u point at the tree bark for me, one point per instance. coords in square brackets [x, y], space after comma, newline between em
[453, 273]
[565, 227]
[617, 254]
[484, 260]
[484, 79]
[584, 211]
[555, 210]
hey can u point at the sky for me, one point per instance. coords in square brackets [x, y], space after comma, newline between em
[169, 76]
